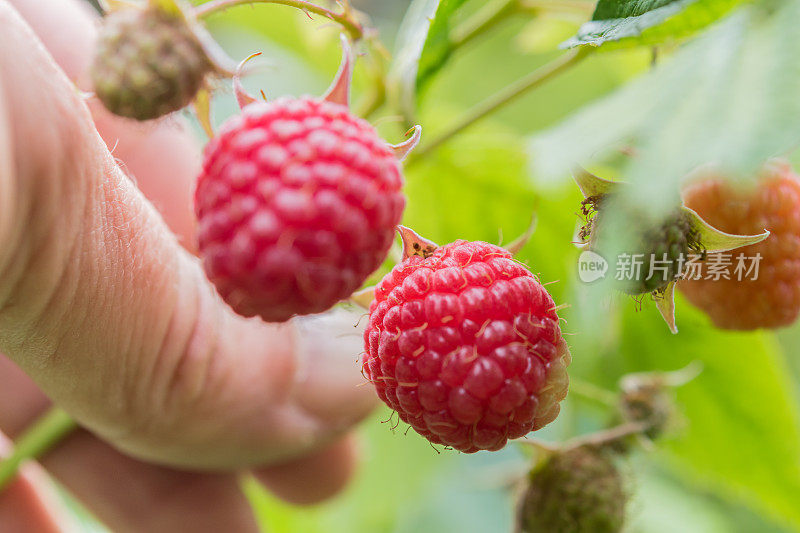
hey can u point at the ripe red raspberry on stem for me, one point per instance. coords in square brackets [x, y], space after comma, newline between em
[772, 299]
[297, 202]
[465, 344]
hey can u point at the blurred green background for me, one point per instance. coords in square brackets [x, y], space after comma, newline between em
[731, 463]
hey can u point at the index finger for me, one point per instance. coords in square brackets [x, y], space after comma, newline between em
[166, 181]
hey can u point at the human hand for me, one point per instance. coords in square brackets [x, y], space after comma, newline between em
[115, 322]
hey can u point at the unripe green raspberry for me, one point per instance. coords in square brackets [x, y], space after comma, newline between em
[668, 242]
[575, 491]
[662, 245]
[148, 63]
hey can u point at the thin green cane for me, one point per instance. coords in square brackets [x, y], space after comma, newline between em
[48, 430]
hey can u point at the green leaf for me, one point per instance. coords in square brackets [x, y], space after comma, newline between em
[438, 46]
[544, 33]
[468, 175]
[648, 22]
[739, 435]
[614, 9]
[423, 46]
[728, 98]
[736, 431]
[476, 188]
[665, 504]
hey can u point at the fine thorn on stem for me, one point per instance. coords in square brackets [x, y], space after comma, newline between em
[682, 376]
[346, 18]
[505, 97]
[45, 433]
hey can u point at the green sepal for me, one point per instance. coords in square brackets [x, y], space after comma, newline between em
[591, 185]
[714, 240]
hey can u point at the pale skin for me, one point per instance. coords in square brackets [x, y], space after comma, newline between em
[105, 312]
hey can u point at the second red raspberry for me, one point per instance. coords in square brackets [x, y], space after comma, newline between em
[464, 343]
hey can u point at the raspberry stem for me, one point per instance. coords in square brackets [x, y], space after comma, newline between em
[505, 97]
[592, 392]
[607, 437]
[377, 67]
[345, 19]
[575, 6]
[486, 18]
[46, 432]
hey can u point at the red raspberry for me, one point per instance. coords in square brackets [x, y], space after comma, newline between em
[297, 204]
[772, 300]
[464, 343]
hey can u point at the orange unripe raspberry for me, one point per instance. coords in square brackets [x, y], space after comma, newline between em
[773, 299]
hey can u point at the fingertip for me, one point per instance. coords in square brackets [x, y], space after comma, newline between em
[68, 30]
[314, 478]
[330, 385]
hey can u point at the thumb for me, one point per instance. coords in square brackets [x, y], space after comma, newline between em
[116, 322]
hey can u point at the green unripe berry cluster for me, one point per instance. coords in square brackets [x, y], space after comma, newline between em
[574, 491]
[148, 63]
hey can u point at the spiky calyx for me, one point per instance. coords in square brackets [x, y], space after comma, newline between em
[148, 63]
[575, 491]
[772, 299]
[645, 399]
[464, 343]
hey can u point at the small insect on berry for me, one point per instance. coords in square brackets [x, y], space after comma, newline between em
[149, 61]
[653, 254]
[661, 246]
[465, 344]
[297, 202]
